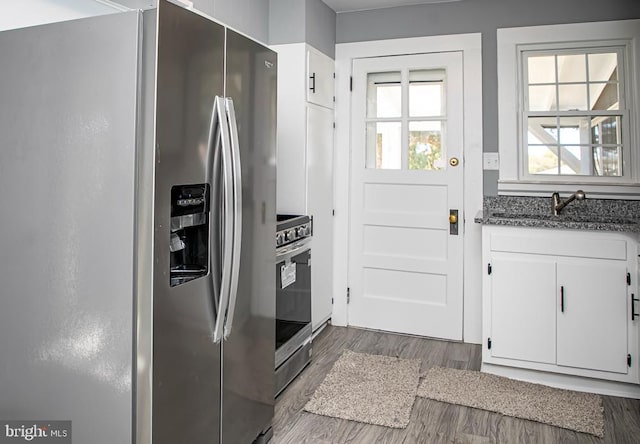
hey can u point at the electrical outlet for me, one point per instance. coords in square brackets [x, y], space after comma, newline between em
[490, 161]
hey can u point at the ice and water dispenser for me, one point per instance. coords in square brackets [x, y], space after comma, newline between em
[189, 239]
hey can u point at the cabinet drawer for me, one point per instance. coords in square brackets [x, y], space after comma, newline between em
[565, 243]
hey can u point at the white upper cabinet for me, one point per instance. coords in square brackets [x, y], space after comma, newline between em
[320, 85]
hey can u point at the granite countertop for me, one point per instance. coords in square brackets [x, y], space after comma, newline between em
[535, 212]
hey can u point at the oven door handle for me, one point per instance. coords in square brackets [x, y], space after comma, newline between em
[301, 247]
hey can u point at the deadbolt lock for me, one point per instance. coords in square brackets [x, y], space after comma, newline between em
[454, 161]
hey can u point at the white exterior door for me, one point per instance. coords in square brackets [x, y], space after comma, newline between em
[406, 262]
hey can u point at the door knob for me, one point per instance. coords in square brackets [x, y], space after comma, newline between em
[453, 219]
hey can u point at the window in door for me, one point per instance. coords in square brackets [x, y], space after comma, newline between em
[406, 120]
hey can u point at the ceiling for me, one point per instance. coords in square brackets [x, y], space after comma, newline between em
[361, 5]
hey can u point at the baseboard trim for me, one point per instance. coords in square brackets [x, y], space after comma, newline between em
[569, 382]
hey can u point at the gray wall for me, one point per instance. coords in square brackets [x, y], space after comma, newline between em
[297, 21]
[484, 16]
[321, 27]
[250, 17]
[287, 21]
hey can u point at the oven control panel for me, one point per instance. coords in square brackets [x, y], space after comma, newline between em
[293, 229]
[288, 235]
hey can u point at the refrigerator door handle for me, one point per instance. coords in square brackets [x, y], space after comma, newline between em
[224, 236]
[237, 211]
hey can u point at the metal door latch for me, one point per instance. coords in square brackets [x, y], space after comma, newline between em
[453, 222]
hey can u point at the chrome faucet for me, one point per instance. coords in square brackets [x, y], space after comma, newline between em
[557, 205]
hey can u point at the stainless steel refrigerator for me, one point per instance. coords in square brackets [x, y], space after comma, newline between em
[137, 178]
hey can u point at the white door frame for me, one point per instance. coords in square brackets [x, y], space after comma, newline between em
[470, 45]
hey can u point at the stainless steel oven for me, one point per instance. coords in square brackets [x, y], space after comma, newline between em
[293, 298]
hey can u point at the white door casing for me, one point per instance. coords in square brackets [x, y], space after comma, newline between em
[405, 266]
[470, 47]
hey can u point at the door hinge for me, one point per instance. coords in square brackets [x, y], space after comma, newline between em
[348, 295]
[351, 83]
[334, 125]
[333, 212]
[628, 278]
[628, 360]
[489, 269]
[489, 343]
[331, 301]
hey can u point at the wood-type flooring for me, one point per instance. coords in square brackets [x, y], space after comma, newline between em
[431, 421]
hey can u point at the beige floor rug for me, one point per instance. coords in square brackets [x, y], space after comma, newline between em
[582, 412]
[367, 388]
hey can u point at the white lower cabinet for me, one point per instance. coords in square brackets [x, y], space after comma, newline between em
[523, 322]
[559, 301]
[592, 315]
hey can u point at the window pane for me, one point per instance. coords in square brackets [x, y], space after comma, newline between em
[426, 89]
[572, 68]
[606, 130]
[607, 161]
[425, 146]
[542, 159]
[542, 98]
[603, 67]
[542, 69]
[384, 94]
[384, 148]
[425, 100]
[542, 131]
[572, 97]
[576, 160]
[604, 96]
[574, 130]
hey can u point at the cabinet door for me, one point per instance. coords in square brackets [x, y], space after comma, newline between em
[320, 69]
[320, 206]
[592, 320]
[523, 323]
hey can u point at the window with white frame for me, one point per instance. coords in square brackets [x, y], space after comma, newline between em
[575, 108]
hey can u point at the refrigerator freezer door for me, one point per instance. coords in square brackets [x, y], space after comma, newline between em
[67, 174]
[249, 352]
[186, 361]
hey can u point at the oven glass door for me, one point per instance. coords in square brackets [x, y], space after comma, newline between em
[293, 296]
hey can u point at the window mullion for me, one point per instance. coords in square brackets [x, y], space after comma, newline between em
[405, 118]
